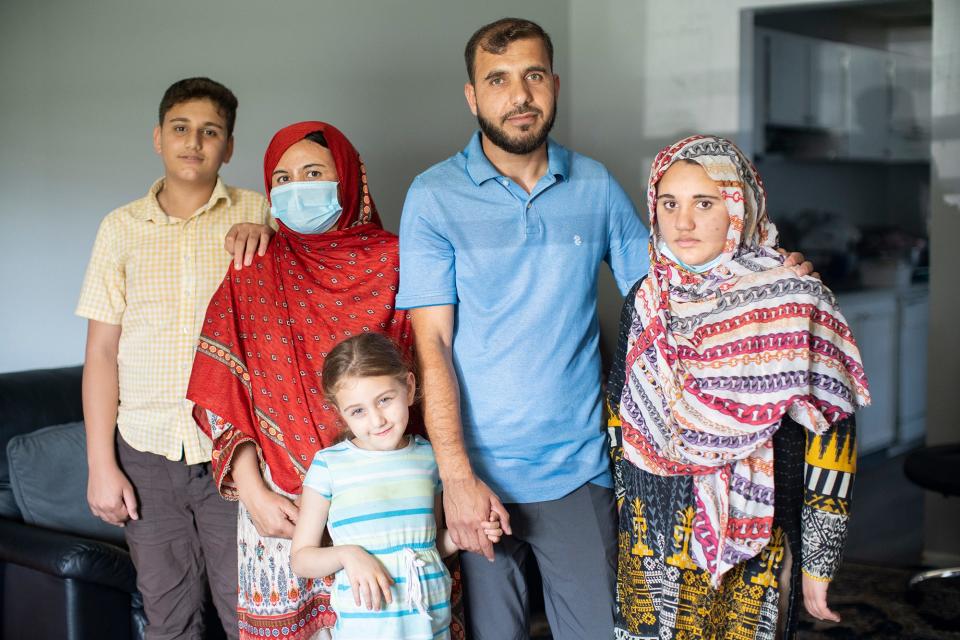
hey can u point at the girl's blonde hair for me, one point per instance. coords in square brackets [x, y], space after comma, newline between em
[362, 356]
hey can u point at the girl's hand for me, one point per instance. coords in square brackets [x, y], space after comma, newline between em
[492, 528]
[273, 515]
[368, 578]
[815, 599]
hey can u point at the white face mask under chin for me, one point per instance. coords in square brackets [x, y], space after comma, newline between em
[695, 268]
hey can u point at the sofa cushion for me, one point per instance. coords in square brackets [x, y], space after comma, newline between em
[30, 400]
[48, 473]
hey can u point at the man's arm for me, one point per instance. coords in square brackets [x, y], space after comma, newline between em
[467, 500]
[109, 492]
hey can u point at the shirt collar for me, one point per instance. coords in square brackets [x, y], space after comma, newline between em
[481, 169]
[154, 212]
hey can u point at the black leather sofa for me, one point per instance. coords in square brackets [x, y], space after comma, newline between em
[56, 584]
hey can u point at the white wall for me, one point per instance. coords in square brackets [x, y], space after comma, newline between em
[80, 82]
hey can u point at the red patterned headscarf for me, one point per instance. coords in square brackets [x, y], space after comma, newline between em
[358, 207]
[270, 325]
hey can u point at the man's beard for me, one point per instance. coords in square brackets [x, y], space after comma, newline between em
[522, 146]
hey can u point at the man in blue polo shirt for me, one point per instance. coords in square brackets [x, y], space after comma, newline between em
[500, 248]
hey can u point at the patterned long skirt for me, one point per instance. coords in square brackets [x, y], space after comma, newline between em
[273, 602]
[662, 594]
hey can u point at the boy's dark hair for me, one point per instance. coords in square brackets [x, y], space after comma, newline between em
[497, 36]
[198, 89]
[363, 355]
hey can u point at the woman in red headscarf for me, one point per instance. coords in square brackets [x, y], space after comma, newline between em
[330, 272]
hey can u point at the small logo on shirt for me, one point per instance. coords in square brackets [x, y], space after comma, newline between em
[577, 240]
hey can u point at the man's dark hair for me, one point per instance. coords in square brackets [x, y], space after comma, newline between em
[198, 89]
[497, 36]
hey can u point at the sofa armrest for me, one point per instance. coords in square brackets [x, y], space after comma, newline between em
[65, 555]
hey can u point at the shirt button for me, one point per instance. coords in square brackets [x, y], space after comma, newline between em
[504, 182]
[186, 331]
[529, 204]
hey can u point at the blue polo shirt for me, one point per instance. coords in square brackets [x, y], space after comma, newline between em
[521, 269]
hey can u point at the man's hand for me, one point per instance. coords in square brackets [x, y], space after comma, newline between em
[110, 495]
[469, 505]
[467, 501]
[815, 599]
[245, 239]
[273, 515]
[800, 266]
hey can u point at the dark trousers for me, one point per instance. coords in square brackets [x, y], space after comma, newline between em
[186, 535]
[574, 542]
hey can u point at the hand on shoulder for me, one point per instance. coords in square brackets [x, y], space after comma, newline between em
[245, 239]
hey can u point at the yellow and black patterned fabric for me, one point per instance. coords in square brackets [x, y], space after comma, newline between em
[662, 594]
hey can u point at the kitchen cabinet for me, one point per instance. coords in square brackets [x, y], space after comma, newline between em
[787, 73]
[890, 326]
[869, 104]
[838, 100]
[872, 317]
[804, 81]
[910, 108]
[912, 369]
[829, 67]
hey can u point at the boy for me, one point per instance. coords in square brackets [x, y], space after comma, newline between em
[155, 264]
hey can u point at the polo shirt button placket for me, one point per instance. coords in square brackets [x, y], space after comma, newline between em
[531, 220]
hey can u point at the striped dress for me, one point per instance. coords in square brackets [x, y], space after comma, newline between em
[383, 501]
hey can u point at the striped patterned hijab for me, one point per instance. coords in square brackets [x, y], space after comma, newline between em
[715, 360]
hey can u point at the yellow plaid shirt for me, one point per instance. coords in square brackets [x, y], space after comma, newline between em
[154, 274]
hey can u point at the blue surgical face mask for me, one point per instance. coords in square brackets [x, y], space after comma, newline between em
[695, 268]
[306, 207]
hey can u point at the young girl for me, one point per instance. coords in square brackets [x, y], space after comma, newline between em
[379, 493]
[735, 381]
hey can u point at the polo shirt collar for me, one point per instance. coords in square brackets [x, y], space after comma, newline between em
[558, 158]
[154, 212]
[481, 169]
